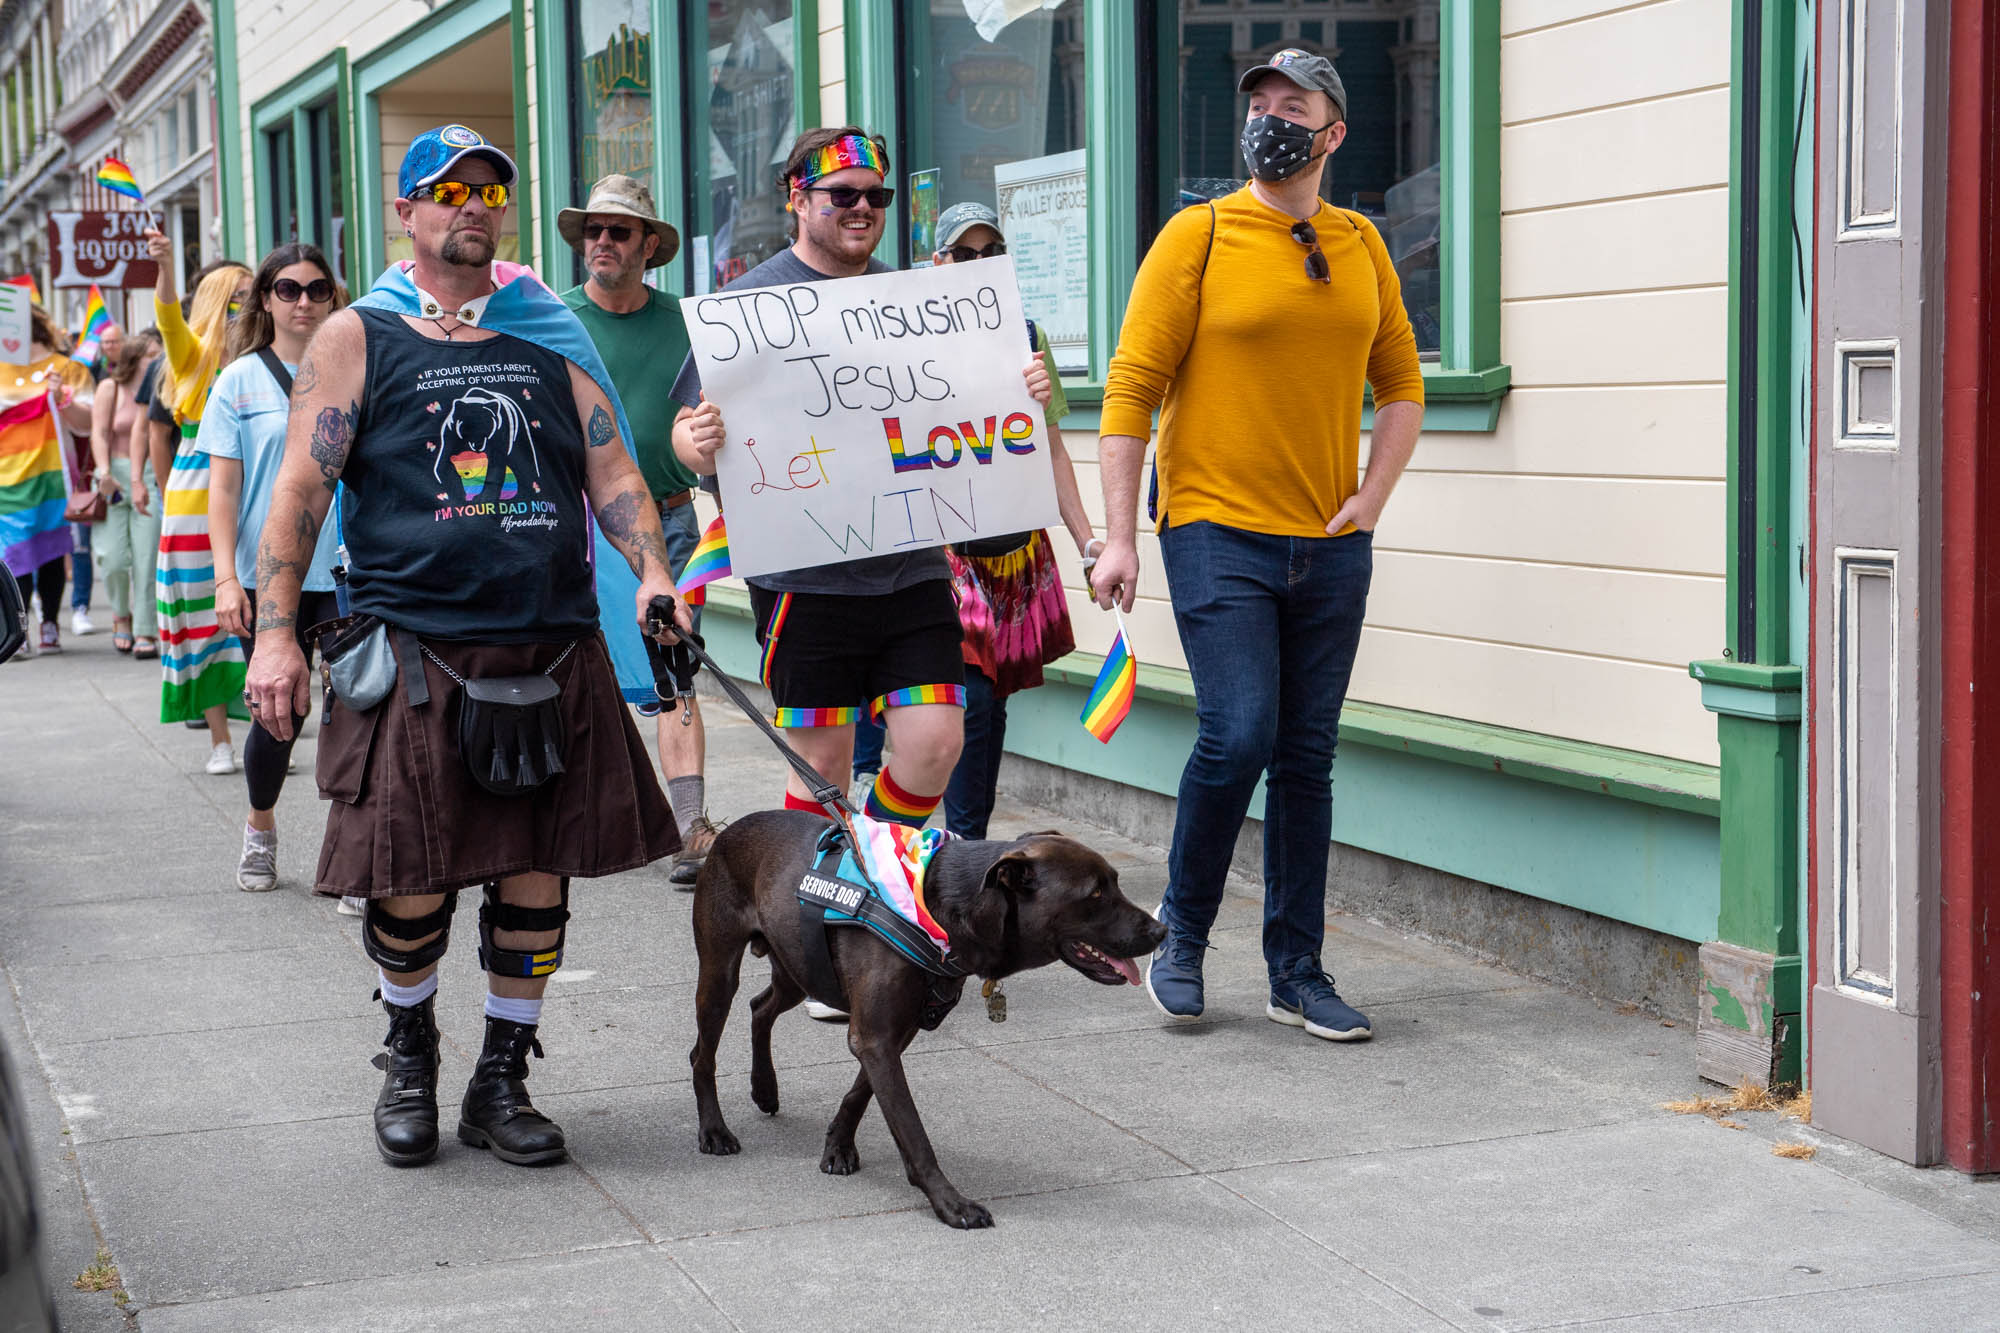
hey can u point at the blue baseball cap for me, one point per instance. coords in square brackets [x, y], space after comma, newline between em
[435, 152]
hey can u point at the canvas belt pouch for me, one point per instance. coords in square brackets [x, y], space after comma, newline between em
[510, 728]
[360, 664]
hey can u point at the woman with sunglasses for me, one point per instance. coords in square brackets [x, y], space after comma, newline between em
[243, 434]
[201, 671]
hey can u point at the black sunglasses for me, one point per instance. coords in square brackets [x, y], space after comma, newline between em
[965, 254]
[319, 291]
[1316, 267]
[846, 196]
[617, 231]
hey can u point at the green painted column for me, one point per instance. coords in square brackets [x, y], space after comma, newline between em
[1751, 1002]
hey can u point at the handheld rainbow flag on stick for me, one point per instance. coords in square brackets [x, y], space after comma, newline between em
[116, 177]
[709, 562]
[1117, 682]
[96, 319]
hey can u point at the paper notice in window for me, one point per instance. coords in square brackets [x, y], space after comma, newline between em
[1042, 204]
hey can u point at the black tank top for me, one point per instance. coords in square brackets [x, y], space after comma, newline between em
[464, 513]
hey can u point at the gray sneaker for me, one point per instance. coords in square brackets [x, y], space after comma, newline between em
[258, 872]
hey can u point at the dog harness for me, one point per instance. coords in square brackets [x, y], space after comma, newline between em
[880, 890]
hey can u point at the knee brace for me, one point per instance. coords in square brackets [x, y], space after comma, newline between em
[495, 915]
[376, 917]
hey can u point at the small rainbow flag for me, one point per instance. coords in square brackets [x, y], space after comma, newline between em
[116, 177]
[709, 562]
[96, 319]
[1110, 698]
[26, 280]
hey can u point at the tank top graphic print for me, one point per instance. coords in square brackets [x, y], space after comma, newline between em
[464, 515]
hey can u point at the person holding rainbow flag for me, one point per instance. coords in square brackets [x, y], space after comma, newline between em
[202, 669]
[40, 403]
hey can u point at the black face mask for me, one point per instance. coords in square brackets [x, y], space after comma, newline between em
[1277, 149]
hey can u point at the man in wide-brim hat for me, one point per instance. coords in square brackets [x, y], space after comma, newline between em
[638, 331]
[615, 200]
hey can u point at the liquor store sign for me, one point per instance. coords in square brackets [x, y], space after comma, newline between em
[108, 249]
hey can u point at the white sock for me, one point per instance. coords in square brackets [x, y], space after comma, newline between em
[528, 1012]
[405, 997]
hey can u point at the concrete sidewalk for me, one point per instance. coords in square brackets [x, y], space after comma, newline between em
[196, 1060]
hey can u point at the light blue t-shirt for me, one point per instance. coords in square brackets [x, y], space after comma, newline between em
[245, 419]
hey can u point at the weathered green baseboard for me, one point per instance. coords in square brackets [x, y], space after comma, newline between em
[1635, 841]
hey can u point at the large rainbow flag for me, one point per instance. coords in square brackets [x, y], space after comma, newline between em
[33, 486]
[96, 319]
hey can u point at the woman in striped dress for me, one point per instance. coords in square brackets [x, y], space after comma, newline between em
[202, 670]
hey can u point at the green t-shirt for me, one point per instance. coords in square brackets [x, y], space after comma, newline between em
[642, 351]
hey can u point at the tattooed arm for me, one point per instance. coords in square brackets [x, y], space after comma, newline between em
[326, 399]
[620, 499]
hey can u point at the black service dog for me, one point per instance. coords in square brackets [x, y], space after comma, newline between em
[1006, 906]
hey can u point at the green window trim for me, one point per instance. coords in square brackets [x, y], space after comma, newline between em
[670, 90]
[1628, 775]
[1463, 388]
[229, 134]
[288, 108]
[438, 34]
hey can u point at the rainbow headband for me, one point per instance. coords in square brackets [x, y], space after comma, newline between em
[850, 150]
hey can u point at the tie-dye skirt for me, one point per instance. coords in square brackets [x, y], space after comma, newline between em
[200, 667]
[1014, 613]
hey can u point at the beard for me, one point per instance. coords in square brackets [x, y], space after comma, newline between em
[468, 249]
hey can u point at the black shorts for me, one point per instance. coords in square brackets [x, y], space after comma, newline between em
[827, 656]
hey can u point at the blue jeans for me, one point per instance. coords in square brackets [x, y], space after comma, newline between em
[868, 737]
[968, 797]
[79, 566]
[1269, 626]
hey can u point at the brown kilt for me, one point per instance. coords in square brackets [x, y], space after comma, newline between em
[407, 818]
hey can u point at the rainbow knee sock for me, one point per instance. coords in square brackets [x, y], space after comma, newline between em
[888, 801]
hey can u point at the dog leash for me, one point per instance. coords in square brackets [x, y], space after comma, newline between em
[675, 680]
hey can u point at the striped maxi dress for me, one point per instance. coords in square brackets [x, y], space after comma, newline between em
[200, 667]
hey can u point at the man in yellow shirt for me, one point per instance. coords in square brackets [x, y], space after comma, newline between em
[1252, 327]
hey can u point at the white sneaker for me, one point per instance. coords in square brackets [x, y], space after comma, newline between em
[80, 623]
[351, 906]
[825, 1013]
[221, 759]
[258, 871]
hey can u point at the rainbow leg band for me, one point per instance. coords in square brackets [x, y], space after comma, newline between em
[919, 694]
[814, 717]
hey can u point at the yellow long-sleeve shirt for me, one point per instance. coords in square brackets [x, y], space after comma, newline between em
[1259, 367]
[191, 367]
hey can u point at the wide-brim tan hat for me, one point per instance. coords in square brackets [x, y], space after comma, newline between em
[620, 196]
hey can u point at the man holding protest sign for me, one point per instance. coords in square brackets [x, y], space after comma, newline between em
[879, 633]
[637, 330]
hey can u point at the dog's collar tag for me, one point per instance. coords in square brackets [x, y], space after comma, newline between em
[996, 1001]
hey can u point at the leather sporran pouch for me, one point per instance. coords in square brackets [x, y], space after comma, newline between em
[360, 664]
[510, 728]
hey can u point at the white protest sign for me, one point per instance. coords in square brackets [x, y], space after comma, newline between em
[873, 415]
[16, 329]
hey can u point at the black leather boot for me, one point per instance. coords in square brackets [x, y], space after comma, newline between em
[497, 1113]
[406, 1114]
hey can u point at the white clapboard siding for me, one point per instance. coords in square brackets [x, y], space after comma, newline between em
[1519, 16]
[1651, 147]
[1625, 55]
[1670, 526]
[1638, 617]
[1671, 337]
[1671, 240]
[832, 66]
[1611, 430]
[1653, 709]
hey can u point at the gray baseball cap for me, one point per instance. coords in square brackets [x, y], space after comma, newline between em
[961, 218]
[1308, 71]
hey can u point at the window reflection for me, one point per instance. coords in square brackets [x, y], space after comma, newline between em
[747, 119]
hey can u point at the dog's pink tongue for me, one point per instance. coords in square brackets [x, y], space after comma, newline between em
[1127, 969]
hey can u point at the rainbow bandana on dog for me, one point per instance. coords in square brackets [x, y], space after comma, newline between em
[850, 150]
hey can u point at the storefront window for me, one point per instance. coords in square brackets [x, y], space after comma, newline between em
[997, 117]
[328, 184]
[744, 89]
[611, 94]
[1387, 55]
[310, 209]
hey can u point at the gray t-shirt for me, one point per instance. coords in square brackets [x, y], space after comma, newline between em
[874, 575]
